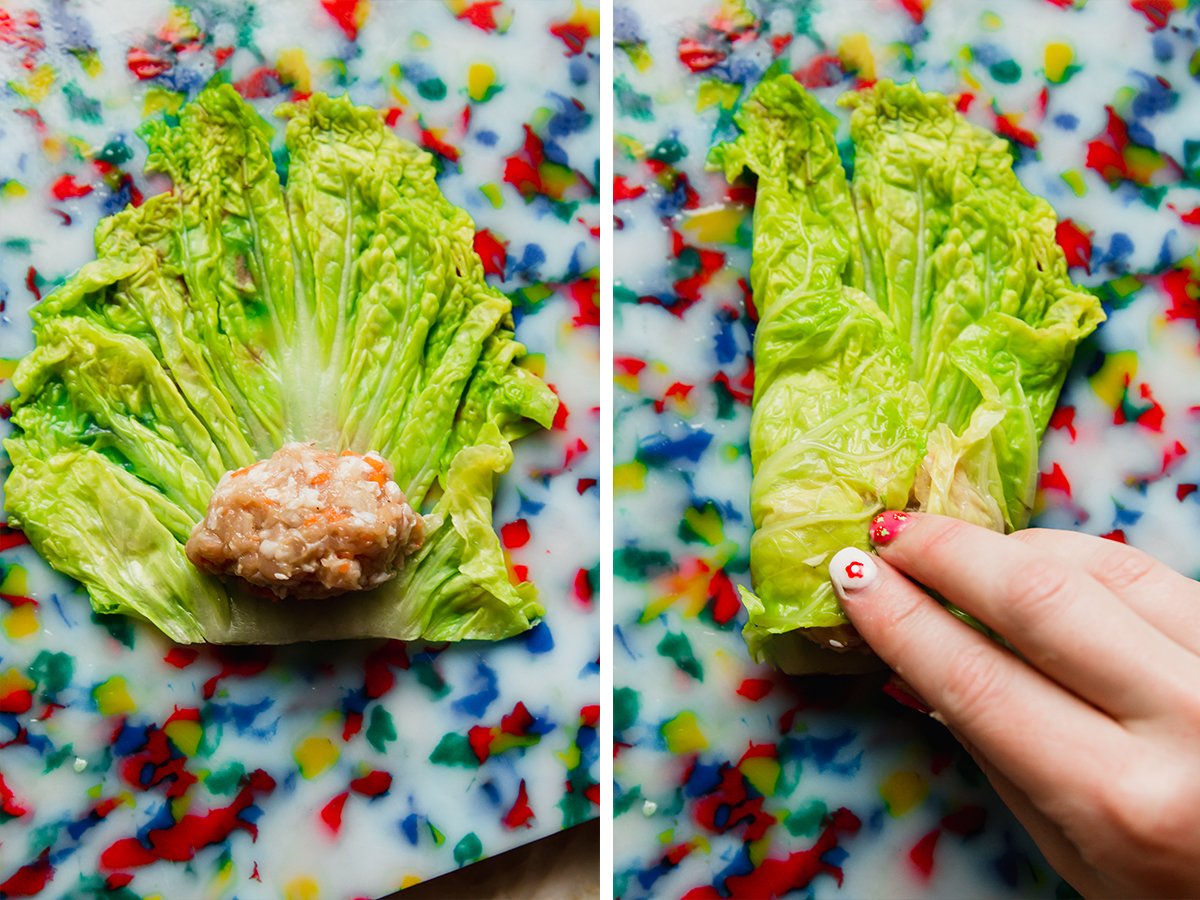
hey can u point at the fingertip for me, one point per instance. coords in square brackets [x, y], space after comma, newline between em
[888, 525]
[852, 571]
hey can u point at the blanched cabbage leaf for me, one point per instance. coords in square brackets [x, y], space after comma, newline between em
[916, 325]
[233, 314]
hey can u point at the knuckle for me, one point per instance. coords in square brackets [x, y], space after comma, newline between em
[975, 684]
[904, 631]
[1126, 568]
[939, 533]
[1147, 810]
[1038, 590]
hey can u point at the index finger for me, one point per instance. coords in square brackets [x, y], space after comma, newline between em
[978, 687]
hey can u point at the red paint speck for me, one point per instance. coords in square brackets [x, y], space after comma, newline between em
[492, 252]
[623, 190]
[574, 36]
[723, 597]
[481, 14]
[373, 784]
[1157, 12]
[519, 814]
[331, 812]
[144, 64]
[181, 657]
[1064, 417]
[584, 592]
[515, 534]
[66, 188]
[697, 57]
[29, 880]
[755, 689]
[16, 701]
[9, 805]
[915, 10]
[921, 855]
[1076, 244]
[31, 283]
[1055, 480]
[824, 70]
[347, 14]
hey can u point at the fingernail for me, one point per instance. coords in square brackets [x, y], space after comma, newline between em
[886, 525]
[851, 570]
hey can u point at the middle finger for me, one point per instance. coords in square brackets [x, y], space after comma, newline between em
[1056, 616]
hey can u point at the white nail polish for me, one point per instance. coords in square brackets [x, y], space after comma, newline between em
[852, 570]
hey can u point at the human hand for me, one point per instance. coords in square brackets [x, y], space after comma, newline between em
[1089, 728]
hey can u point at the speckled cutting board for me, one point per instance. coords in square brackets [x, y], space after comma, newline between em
[130, 767]
[732, 780]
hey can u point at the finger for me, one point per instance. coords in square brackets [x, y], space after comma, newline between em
[1018, 717]
[1156, 592]
[1054, 844]
[1055, 615]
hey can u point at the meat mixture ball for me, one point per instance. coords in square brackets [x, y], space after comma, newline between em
[308, 523]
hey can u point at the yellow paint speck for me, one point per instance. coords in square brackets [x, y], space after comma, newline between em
[185, 735]
[535, 362]
[161, 100]
[16, 582]
[855, 53]
[14, 680]
[408, 881]
[1057, 58]
[902, 791]
[37, 86]
[304, 887]
[717, 226]
[763, 773]
[315, 755]
[588, 17]
[683, 734]
[480, 79]
[629, 478]
[293, 67]
[22, 622]
[714, 92]
[1115, 374]
[491, 190]
[1074, 180]
[112, 697]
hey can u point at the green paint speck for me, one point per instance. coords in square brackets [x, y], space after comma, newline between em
[1006, 71]
[805, 821]
[626, 706]
[454, 750]
[469, 849]
[432, 89]
[52, 672]
[381, 729]
[225, 781]
[677, 648]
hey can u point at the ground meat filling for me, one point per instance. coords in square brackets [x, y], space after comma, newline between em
[308, 523]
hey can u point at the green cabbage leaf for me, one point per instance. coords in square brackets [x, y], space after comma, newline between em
[916, 323]
[236, 313]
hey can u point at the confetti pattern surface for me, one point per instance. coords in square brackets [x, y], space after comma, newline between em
[732, 780]
[130, 767]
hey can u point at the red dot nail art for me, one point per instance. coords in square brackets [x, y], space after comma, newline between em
[886, 525]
